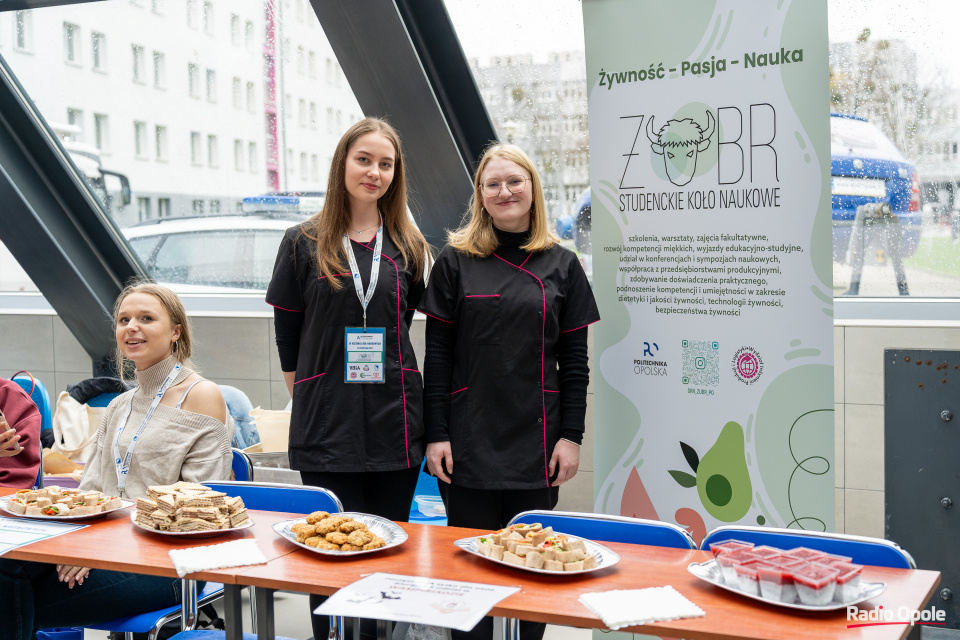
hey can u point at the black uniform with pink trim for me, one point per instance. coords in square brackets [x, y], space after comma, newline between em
[504, 406]
[337, 426]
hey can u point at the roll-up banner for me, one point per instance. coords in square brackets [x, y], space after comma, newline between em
[710, 185]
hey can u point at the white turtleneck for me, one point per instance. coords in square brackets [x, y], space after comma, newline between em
[175, 445]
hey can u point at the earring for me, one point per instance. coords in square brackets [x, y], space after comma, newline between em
[175, 347]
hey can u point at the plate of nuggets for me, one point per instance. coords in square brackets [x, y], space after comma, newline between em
[190, 510]
[540, 550]
[341, 534]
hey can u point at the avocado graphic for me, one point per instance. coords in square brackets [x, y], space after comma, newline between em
[723, 481]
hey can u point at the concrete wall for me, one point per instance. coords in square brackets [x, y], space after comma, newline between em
[241, 352]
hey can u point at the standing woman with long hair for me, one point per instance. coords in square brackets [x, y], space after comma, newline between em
[506, 356]
[344, 290]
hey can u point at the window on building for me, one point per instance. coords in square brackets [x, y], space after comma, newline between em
[315, 168]
[101, 132]
[339, 121]
[23, 26]
[214, 206]
[235, 34]
[288, 106]
[198, 207]
[336, 74]
[208, 18]
[211, 85]
[213, 151]
[251, 97]
[329, 119]
[252, 157]
[313, 115]
[159, 70]
[291, 167]
[192, 21]
[312, 64]
[248, 36]
[71, 43]
[140, 139]
[163, 208]
[75, 117]
[238, 155]
[143, 209]
[304, 166]
[237, 93]
[302, 113]
[157, 6]
[193, 80]
[160, 140]
[138, 63]
[98, 51]
[196, 148]
[301, 61]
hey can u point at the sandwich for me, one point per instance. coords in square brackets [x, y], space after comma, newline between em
[533, 559]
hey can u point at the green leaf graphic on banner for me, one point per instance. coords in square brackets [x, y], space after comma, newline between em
[692, 458]
[684, 479]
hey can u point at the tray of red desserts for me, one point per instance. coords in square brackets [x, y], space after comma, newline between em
[797, 578]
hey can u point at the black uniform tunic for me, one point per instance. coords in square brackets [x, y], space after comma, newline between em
[505, 406]
[336, 426]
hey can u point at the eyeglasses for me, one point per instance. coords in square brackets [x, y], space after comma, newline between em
[514, 184]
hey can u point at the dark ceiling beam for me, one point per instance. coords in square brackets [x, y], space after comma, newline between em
[409, 68]
[55, 228]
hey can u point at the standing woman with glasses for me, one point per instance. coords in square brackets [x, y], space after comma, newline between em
[506, 356]
[344, 290]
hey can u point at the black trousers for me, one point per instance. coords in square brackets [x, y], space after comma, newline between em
[387, 494]
[492, 509]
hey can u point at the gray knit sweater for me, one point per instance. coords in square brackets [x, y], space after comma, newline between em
[175, 445]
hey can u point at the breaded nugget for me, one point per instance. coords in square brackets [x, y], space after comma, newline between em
[302, 527]
[337, 537]
[312, 541]
[351, 526]
[329, 546]
[326, 525]
[349, 547]
[360, 537]
[376, 543]
[317, 516]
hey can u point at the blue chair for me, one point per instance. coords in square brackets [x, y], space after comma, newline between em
[863, 550]
[606, 528]
[151, 622]
[37, 393]
[242, 466]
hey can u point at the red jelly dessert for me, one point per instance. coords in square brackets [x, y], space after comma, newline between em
[748, 576]
[729, 545]
[776, 583]
[728, 561]
[767, 553]
[802, 553]
[829, 558]
[816, 583]
[848, 582]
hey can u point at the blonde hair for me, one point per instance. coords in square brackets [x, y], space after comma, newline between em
[475, 236]
[327, 226]
[182, 348]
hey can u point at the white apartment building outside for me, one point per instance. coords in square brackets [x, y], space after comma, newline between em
[184, 96]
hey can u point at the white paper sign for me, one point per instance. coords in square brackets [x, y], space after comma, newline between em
[442, 603]
[15, 532]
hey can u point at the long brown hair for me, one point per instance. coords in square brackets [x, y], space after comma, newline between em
[183, 347]
[326, 227]
[475, 236]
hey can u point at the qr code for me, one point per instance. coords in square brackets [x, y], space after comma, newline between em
[701, 363]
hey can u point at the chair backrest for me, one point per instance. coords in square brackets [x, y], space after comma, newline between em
[37, 393]
[275, 496]
[606, 528]
[242, 467]
[863, 550]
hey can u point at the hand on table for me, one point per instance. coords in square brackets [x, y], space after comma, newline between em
[71, 575]
[566, 458]
[9, 441]
[440, 457]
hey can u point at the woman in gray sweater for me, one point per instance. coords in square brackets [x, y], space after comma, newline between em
[184, 434]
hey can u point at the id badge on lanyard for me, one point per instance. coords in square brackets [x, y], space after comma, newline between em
[364, 346]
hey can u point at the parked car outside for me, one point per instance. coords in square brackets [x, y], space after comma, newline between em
[220, 253]
[866, 166]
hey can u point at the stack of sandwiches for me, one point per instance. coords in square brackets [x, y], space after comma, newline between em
[532, 546]
[185, 506]
[54, 501]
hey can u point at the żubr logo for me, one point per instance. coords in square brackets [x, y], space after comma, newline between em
[747, 365]
[901, 615]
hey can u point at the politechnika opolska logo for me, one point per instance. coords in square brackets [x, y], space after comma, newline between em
[747, 365]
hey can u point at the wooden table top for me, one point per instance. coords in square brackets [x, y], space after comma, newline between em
[114, 543]
[430, 552]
